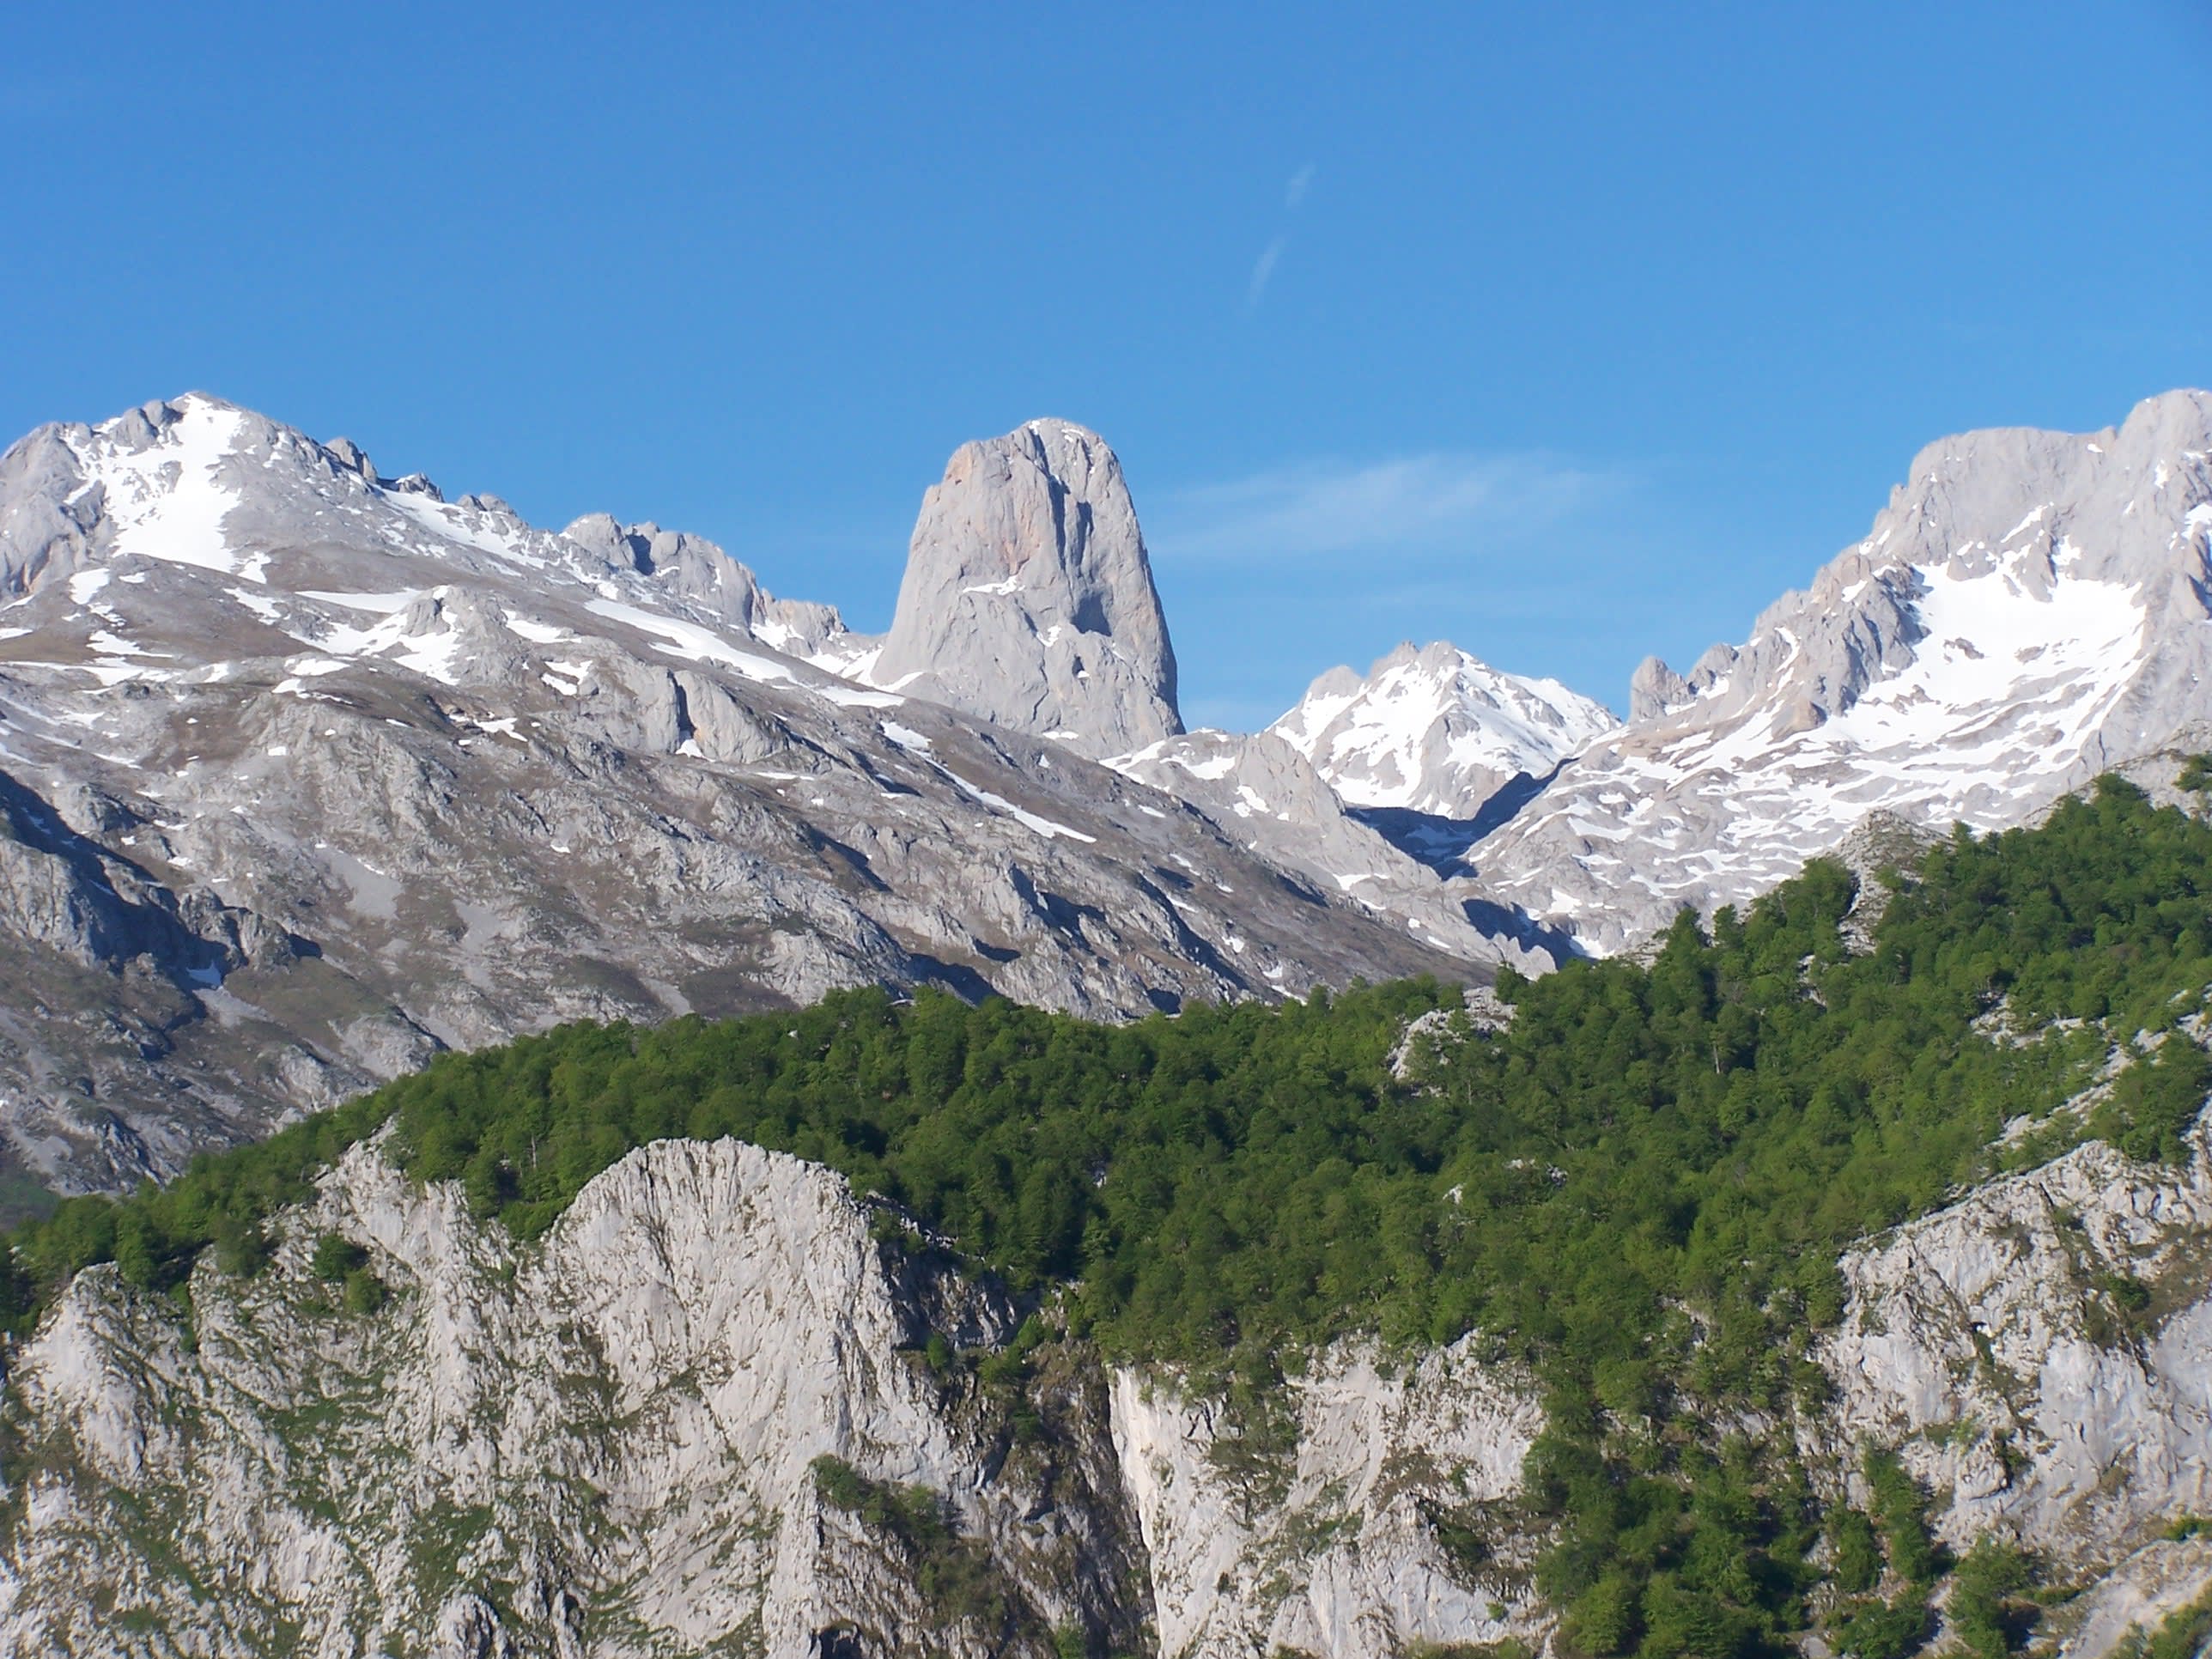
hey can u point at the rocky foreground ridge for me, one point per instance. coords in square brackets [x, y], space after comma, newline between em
[710, 1412]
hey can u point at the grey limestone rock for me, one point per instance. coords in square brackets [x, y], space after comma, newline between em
[1267, 794]
[308, 775]
[696, 570]
[352, 457]
[1655, 689]
[1028, 597]
[603, 1441]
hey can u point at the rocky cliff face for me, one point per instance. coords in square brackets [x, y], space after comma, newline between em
[2041, 1353]
[611, 1442]
[1029, 598]
[1343, 1546]
[602, 1444]
[305, 773]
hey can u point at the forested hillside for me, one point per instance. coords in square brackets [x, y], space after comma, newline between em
[1638, 1189]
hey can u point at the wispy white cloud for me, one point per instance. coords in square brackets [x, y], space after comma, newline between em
[1443, 503]
[1262, 269]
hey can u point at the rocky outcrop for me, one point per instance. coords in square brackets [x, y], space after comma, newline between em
[611, 1442]
[2041, 1353]
[695, 569]
[1028, 597]
[1341, 1543]
[702, 1413]
[1655, 690]
[606, 1443]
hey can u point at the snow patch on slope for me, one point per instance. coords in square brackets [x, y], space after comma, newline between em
[165, 499]
[1938, 670]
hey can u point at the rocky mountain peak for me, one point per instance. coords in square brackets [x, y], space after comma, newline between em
[1655, 688]
[696, 570]
[2084, 530]
[352, 457]
[1433, 730]
[306, 773]
[2028, 610]
[1028, 597]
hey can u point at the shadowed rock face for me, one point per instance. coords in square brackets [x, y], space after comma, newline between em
[1029, 598]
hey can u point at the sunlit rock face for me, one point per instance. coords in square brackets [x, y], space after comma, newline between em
[1029, 598]
[307, 773]
[2030, 610]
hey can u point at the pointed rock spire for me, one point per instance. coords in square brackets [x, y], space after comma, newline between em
[1029, 598]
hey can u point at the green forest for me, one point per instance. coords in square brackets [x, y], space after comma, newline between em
[1638, 1190]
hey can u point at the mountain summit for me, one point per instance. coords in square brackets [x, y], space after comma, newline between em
[2030, 610]
[1437, 731]
[305, 773]
[1029, 598]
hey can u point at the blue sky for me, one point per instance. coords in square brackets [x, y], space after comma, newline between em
[1567, 333]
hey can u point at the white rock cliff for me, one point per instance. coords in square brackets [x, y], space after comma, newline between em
[604, 1443]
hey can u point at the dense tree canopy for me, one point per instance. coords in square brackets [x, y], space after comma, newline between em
[1638, 1189]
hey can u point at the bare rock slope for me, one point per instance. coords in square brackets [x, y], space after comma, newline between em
[605, 1444]
[1029, 598]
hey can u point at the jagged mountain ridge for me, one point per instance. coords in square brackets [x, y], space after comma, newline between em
[2031, 609]
[310, 773]
[608, 1437]
[603, 1443]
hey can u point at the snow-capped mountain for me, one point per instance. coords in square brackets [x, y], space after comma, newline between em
[305, 773]
[1433, 730]
[2031, 609]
